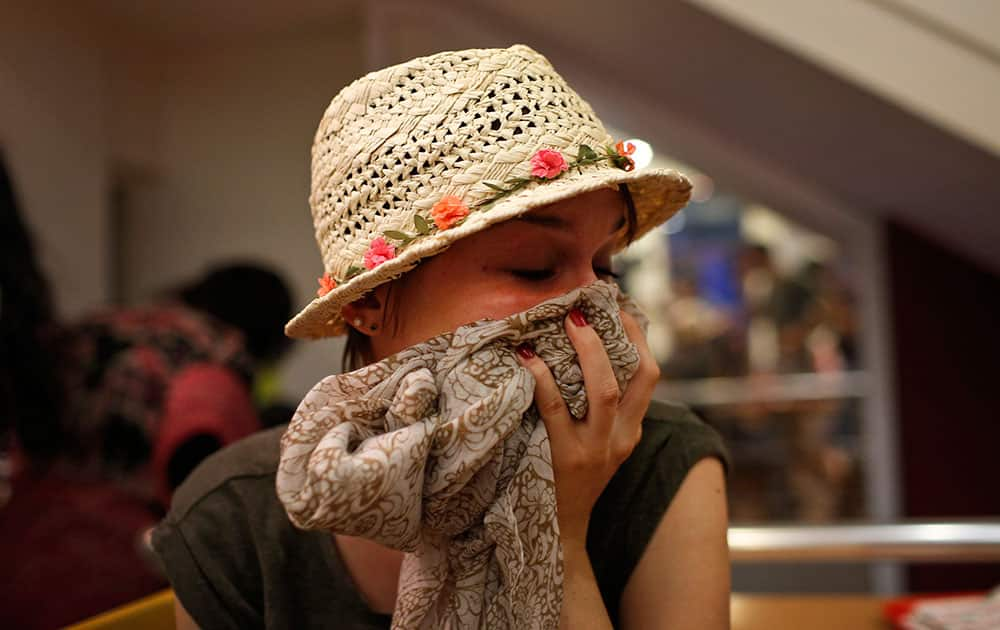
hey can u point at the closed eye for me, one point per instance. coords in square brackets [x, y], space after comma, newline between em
[534, 275]
[539, 275]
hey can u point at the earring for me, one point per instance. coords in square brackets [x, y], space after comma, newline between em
[357, 322]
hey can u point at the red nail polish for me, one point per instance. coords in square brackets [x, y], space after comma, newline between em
[577, 316]
[526, 351]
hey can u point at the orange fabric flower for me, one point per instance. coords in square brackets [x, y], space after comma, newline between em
[326, 284]
[449, 211]
[625, 148]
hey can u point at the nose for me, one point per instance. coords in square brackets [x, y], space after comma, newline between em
[582, 275]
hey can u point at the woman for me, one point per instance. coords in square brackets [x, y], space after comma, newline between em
[496, 460]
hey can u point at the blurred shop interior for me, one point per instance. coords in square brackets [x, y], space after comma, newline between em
[829, 301]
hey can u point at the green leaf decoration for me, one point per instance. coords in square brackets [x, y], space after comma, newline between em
[621, 162]
[399, 236]
[353, 271]
[585, 156]
[421, 224]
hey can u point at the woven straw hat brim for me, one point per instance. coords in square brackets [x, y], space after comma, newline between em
[657, 193]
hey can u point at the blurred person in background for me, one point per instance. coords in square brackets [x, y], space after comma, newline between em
[156, 388]
[822, 470]
[699, 333]
[31, 399]
[104, 417]
[794, 456]
[801, 323]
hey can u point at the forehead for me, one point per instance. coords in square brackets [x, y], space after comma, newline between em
[588, 220]
[606, 201]
[600, 212]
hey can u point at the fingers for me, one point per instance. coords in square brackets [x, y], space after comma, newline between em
[599, 379]
[613, 418]
[548, 400]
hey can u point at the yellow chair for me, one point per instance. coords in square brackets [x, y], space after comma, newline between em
[155, 612]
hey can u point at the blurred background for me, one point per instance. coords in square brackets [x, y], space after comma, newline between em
[829, 301]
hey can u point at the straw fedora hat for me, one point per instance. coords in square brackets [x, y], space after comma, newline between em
[411, 158]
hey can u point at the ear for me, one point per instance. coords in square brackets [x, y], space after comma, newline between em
[366, 313]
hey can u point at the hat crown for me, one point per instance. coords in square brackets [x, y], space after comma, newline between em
[394, 142]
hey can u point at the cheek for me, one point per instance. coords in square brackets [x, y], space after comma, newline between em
[460, 298]
[443, 298]
[496, 304]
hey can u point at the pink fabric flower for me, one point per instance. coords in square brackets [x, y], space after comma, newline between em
[378, 252]
[547, 164]
[326, 284]
[448, 211]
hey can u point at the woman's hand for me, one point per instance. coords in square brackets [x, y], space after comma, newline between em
[586, 453]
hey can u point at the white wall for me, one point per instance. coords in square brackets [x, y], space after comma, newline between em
[923, 56]
[136, 96]
[53, 132]
[213, 145]
[231, 176]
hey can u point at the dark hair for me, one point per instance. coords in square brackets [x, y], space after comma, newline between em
[357, 351]
[357, 346]
[248, 297]
[631, 219]
[30, 385]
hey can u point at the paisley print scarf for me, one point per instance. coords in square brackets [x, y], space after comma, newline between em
[438, 451]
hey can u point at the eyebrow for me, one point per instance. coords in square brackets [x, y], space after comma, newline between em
[558, 222]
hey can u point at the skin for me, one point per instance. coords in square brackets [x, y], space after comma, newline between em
[503, 270]
[682, 579]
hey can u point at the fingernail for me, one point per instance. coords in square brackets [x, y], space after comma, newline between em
[577, 316]
[526, 351]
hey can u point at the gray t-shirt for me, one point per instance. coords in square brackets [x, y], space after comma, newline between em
[236, 561]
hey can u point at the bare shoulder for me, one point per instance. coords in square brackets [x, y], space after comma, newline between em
[682, 579]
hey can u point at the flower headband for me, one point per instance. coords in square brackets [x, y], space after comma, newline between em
[451, 211]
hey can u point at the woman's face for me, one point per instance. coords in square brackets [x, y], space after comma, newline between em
[504, 269]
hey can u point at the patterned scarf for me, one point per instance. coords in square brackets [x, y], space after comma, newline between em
[438, 451]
